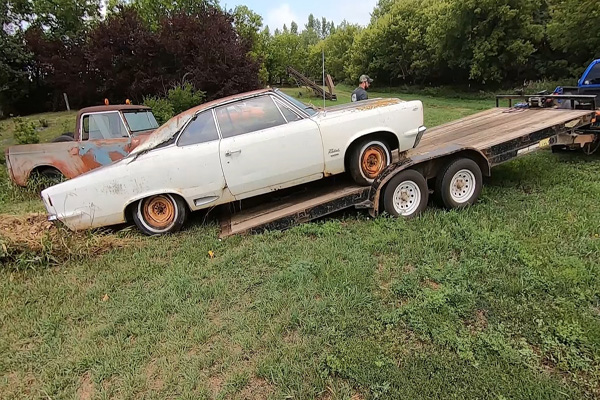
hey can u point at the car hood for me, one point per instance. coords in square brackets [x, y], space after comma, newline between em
[164, 133]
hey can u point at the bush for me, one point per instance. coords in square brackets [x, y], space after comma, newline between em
[183, 97]
[179, 98]
[44, 122]
[25, 132]
[161, 108]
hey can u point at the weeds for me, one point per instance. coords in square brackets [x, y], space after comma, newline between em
[25, 132]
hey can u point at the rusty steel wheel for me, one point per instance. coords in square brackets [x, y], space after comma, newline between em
[368, 159]
[373, 161]
[160, 214]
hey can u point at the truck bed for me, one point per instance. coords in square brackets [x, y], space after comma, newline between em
[500, 134]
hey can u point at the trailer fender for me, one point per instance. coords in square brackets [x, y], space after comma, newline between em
[428, 165]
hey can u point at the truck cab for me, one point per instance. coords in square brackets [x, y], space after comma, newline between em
[590, 80]
[102, 135]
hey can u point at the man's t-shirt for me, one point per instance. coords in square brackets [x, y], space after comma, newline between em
[359, 94]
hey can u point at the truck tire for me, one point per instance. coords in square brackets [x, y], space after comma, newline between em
[160, 214]
[43, 177]
[406, 194]
[459, 184]
[368, 158]
[63, 138]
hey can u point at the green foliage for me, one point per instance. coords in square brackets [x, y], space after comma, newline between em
[574, 30]
[179, 98]
[153, 10]
[161, 108]
[44, 122]
[183, 97]
[25, 132]
[59, 18]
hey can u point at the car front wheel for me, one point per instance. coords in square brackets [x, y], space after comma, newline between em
[160, 214]
[368, 159]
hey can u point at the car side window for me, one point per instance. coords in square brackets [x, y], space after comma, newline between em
[108, 125]
[248, 115]
[201, 129]
[287, 112]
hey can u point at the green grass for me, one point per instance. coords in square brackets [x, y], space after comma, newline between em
[499, 301]
[58, 123]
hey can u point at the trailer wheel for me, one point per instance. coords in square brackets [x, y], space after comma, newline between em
[459, 184]
[406, 194]
[161, 214]
[368, 159]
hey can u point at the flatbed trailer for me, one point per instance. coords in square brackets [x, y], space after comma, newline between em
[449, 162]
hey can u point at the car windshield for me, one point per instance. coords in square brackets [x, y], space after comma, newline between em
[141, 120]
[307, 108]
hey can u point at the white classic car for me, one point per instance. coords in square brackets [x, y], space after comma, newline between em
[232, 149]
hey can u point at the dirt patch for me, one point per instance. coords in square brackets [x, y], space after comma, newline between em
[215, 383]
[257, 388]
[153, 379]
[479, 323]
[86, 387]
[31, 238]
[292, 337]
[431, 284]
[18, 384]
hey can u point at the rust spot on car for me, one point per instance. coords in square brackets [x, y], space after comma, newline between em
[379, 103]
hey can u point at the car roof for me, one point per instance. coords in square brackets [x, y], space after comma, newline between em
[113, 107]
[227, 99]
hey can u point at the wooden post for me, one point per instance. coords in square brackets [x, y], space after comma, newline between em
[67, 101]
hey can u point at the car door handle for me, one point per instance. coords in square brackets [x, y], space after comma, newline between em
[229, 153]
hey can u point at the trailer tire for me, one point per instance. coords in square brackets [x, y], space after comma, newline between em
[368, 158]
[160, 214]
[459, 184]
[406, 194]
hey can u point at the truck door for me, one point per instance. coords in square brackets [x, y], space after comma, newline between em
[104, 139]
[266, 146]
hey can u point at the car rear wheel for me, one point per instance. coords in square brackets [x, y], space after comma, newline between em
[406, 194]
[368, 159]
[161, 214]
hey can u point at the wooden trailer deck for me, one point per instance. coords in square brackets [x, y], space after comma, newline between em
[500, 134]
[496, 129]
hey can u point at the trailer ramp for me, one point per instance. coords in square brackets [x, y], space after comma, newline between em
[311, 202]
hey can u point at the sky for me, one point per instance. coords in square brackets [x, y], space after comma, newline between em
[277, 13]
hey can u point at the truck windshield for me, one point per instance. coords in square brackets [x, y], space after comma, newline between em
[140, 121]
[305, 107]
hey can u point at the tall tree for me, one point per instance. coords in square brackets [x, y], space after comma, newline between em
[569, 18]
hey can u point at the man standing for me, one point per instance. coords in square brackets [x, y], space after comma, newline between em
[360, 93]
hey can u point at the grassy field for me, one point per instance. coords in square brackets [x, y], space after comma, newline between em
[499, 301]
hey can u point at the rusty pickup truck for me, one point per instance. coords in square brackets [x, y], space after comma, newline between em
[103, 134]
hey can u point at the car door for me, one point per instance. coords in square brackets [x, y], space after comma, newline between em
[104, 139]
[266, 146]
[194, 165]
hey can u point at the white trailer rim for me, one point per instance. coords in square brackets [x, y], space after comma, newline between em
[462, 186]
[407, 198]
